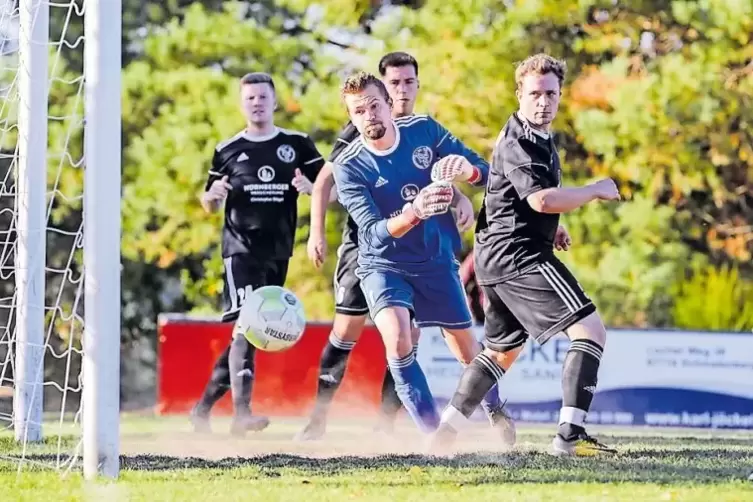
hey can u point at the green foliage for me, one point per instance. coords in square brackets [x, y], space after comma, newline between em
[626, 256]
[658, 96]
[180, 100]
[714, 299]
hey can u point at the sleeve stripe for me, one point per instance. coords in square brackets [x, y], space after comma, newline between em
[443, 138]
[343, 141]
[215, 173]
[349, 151]
[313, 160]
[531, 164]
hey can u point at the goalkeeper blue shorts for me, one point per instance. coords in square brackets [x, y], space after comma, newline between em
[436, 298]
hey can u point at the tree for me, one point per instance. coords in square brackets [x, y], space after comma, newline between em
[182, 101]
[653, 98]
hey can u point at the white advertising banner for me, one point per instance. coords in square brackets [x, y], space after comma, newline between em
[647, 377]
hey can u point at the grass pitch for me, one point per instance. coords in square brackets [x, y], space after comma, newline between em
[163, 460]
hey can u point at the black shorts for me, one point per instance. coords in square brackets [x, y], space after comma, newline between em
[243, 270]
[349, 298]
[541, 302]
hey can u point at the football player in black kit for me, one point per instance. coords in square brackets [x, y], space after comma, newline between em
[399, 73]
[529, 292]
[258, 175]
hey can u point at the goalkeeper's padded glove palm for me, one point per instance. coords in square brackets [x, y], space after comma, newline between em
[454, 168]
[433, 200]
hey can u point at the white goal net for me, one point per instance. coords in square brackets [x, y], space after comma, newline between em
[59, 234]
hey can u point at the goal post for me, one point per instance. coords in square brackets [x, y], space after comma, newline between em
[101, 342]
[62, 329]
[31, 218]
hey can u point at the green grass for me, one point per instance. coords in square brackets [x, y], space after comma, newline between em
[163, 461]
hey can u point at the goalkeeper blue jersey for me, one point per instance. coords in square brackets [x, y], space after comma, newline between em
[374, 185]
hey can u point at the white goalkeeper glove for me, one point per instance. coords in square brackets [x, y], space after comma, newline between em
[433, 200]
[455, 168]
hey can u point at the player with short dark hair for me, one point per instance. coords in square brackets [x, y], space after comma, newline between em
[529, 292]
[399, 74]
[258, 175]
[406, 255]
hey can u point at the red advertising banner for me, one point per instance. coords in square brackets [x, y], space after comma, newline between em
[285, 382]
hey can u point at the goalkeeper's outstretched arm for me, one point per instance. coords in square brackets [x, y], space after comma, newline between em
[353, 193]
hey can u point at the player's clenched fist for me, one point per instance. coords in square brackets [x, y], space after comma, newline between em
[453, 168]
[218, 190]
[606, 190]
[302, 183]
[433, 200]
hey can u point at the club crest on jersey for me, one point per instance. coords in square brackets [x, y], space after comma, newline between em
[422, 157]
[409, 192]
[266, 174]
[286, 153]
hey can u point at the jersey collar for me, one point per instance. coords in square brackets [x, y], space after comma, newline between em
[528, 129]
[382, 153]
[259, 139]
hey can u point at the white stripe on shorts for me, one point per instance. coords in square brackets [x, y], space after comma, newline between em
[233, 293]
[560, 286]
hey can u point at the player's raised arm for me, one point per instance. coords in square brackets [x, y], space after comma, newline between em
[217, 186]
[353, 192]
[457, 162]
[526, 172]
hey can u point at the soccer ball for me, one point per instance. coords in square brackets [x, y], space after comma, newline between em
[271, 319]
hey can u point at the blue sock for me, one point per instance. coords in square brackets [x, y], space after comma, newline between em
[413, 390]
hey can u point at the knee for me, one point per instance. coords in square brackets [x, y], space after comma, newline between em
[401, 346]
[505, 359]
[590, 328]
[462, 343]
[395, 328]
[465, 358]
[348, 328]
[415, 334]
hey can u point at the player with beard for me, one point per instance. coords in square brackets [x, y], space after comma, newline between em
[529, 292]
[406, 256]
[257, 174]
[399, 73]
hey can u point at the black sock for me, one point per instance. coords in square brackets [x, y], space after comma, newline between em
[219, 384]
[475, 382]
[390, 403]
[241, 364]
[579, 375]
[331, 371]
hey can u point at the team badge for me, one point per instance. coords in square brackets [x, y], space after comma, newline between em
[422, 157]
[409, 192]
[286, 153]
[266, 174]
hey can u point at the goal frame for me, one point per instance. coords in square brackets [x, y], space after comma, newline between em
[102, 230]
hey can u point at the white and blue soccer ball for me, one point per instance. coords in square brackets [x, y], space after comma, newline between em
[271, 319]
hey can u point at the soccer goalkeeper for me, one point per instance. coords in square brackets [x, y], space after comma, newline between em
[407, 266]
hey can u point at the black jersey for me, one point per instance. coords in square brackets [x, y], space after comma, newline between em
[261, 210]
[347, 135]
[510, 235]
